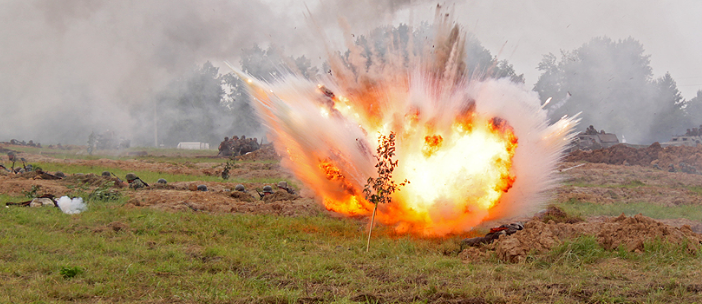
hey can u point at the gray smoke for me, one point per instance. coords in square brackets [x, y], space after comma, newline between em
[71, 67]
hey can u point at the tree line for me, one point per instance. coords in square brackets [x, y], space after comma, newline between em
[610, 83]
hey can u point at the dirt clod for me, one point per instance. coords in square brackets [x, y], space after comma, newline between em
[280, 196]
[118, 226]
[632, 233]
[680, 157]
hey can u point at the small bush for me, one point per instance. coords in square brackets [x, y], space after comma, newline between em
[104, 193]
[70, 272]
[31, 193]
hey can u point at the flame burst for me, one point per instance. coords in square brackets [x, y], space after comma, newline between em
[472, 150]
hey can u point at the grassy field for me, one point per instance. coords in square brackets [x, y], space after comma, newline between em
[114, 254]
[118, 254]
[585, 209]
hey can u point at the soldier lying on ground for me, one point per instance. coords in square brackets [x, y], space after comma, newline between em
[284, 185]
[135, 182]
[493, 234]
[44, 200]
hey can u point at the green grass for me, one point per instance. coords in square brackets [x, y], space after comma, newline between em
[47, 256]
[695, 189]
[585, 209]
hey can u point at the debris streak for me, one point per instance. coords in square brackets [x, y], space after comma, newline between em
[473, 150]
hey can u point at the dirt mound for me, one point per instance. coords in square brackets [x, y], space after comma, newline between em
[557, 215]
[652, 155]
[219, 202]
[243, 196]
[629, 232]
[280, 196]
[632, 232]
[266, 152]
[18, 186]
[92, 180]
[25, 175]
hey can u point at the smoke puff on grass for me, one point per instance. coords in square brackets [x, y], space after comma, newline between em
[72, 205]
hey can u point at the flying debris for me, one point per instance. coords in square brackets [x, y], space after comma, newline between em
[473, 150]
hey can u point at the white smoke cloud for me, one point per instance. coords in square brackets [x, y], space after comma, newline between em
[71, 205]
[98, 61]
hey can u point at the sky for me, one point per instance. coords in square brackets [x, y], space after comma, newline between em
[522, 31]
[69, 67]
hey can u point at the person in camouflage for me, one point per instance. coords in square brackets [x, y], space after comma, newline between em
[225, 147]
[284, 185]
[135, 182]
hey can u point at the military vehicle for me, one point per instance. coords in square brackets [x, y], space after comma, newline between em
[591, 139]
[683, 140]
[692, 138]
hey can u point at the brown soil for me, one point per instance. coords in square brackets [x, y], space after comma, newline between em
[13, 186]
[606, 184]
[245, 170]
[266, 152]
[92, 180]
[649, 156]
[557, 215]
[280, 196]
[630, 232]
[220, 202]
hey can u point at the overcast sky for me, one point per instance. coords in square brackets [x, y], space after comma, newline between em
[68, 65]
[670, 31]
[522, 31]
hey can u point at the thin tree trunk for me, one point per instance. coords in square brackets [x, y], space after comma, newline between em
[371, 226]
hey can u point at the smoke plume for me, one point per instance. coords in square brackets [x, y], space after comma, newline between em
[71, 205]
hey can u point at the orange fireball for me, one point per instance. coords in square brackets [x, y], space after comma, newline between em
[472, 150]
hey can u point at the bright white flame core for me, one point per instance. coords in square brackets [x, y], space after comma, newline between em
[472, 171]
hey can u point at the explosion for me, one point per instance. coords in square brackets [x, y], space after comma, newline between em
[472, 149]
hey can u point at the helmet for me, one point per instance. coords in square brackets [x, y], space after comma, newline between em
[240, 187]
[105, 174]
[268, 189]
[282, 184]
[131, 176]
[201, 188]
[60, 174]
[161, 181]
